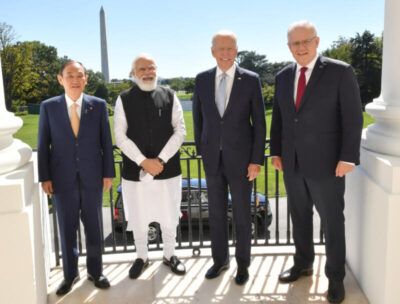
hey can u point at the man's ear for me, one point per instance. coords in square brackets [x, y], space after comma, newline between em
[60, 79]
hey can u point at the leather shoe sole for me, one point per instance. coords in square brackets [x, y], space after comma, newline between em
[292, 275]
[213, 273]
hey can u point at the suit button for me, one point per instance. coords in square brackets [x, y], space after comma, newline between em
[77, 159]
[222, 122]
[296, 120]
[76, 145]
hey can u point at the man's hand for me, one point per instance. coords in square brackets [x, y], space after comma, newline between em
[277, 162]
[343, 168]
[152, 166]
[47, 187]
[252, 171]
[107, 183]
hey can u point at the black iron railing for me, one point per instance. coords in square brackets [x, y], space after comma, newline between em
[270, 214]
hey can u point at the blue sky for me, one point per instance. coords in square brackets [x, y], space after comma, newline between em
[178, 32]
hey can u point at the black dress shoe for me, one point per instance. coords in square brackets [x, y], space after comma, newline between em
[101, 282]
[137, 268]
[242, 275]
[66, 286]
[215, 270]
[335, 291]
[175, 265]
[294, 273]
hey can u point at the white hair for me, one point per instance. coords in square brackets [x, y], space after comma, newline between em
[139, 57]
[301, 24]
[223, 33]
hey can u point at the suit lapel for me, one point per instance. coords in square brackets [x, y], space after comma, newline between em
[291, 79]
[211, 85]
[236, 89]
[64, 115]
[314, 78]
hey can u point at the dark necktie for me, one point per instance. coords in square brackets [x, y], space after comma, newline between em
[301, 86]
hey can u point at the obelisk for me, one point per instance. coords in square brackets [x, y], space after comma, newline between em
[103, 42]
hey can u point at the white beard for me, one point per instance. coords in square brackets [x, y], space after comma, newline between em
[146, 85]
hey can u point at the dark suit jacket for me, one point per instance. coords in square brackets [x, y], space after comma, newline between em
[327, 127]
[241, 130]
[61, 155]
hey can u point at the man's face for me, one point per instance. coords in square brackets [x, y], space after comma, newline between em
[73, 79]
[224, 51]
[303, 45]
[145, 74]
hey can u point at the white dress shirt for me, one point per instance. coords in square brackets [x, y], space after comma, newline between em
[230, 76]
[70, 102]
[130, 149]
[310, 68]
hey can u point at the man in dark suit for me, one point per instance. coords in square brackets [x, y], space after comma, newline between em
[315, 139]
[75, 161]
[229, 127]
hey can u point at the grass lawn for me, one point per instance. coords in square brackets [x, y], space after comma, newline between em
[28, 134]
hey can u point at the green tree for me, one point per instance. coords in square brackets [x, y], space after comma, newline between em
[254, 62]
[366, 59]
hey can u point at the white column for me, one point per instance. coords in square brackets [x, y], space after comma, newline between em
[384, 136]
[13, 152]
[22, 262]
[373, 190]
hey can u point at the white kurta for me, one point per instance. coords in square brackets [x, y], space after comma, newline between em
[154, 200]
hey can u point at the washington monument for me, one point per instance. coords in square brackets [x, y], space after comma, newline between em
[103, 42]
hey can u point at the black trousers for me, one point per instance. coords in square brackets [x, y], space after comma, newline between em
[240, 190]
[84, 204]
[327, 194]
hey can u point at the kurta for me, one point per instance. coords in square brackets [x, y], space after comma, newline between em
[151, 200]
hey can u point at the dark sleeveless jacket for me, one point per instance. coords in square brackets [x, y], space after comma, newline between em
[149, 116]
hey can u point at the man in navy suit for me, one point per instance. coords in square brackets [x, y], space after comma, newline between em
[76, 163]
[315, 139]
[229, 127]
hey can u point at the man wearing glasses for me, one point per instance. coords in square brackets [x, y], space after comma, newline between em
[315, 139]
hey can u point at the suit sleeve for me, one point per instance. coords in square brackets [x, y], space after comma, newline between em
[259, 126]
[106, 142]
[351, 117]
[44, 141]
[197, 117]
[276, 126]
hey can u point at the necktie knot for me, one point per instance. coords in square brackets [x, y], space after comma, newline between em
[303, 70]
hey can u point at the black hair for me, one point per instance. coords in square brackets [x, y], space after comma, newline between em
[67, 63]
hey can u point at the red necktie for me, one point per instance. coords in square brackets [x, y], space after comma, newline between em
[301, 86]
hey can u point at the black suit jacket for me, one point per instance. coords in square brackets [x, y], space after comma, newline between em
[327, 127]
[240, 133]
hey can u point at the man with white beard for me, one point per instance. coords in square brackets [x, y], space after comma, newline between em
[149, 129]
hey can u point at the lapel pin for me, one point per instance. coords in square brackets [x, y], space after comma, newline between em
[239, 78]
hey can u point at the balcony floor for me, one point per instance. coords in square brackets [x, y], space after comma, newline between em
[158, 285]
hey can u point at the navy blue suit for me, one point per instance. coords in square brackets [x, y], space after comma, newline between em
[76, 167]
[228, 144]
[325, 130]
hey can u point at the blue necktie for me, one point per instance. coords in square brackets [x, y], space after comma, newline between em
[220, 98]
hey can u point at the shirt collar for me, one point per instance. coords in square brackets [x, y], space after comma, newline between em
[230, 72]
[70, 101]
[309, 66]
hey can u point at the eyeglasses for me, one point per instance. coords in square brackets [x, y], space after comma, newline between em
[297, 44]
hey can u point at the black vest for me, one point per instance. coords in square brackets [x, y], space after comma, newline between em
[149, 116]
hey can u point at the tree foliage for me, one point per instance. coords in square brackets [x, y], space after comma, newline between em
[364, 53]
[7, 35]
